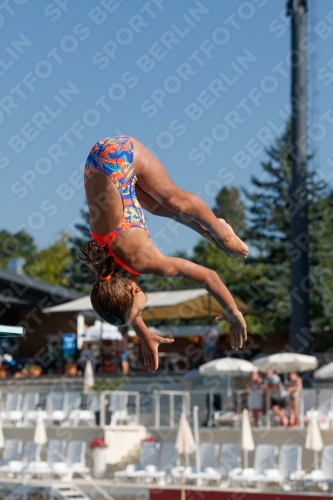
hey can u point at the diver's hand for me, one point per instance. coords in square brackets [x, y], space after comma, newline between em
[237, 329]
[149, 344]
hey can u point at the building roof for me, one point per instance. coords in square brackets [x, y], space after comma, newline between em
[20, 290]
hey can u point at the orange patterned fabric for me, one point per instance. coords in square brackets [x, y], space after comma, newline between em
[114, 156]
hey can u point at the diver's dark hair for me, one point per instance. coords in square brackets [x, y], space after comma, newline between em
[111, 295]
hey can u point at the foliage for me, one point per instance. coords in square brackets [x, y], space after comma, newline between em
[50, 263]
[33, 367]
[78, 273]
[107, 384]
[19, 244]
[70, 366]
[269, 234]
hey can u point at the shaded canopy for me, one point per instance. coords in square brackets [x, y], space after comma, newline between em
[185, 304]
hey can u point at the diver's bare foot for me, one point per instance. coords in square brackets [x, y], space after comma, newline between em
[229, 242]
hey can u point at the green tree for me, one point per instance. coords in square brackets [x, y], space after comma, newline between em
[269, 234]
[51, 262]
[13, 245]
[79, 274]
[229, 206]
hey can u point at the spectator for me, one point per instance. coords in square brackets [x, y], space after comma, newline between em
[208, 341]
[123, 354]
[253, 387]
[294, 385]
[273, 384]
[87, 354]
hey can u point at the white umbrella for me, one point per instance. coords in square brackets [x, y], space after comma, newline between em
[88, 380]
[284, 362]
[324, 372]
[247, 443]
[2, 439]
[314, 440]
[40, 437]
[227, 366]
[230, 367]
[103, 331]
[185, 444]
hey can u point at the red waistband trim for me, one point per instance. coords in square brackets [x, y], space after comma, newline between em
[107, 239]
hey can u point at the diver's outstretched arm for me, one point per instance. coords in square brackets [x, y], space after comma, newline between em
[151, 261]
[149, 343]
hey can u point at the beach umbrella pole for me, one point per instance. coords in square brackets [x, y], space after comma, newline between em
[246, 459]
[229, 392]
[197, 441]
[316, 460]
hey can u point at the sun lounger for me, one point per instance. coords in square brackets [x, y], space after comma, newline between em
[264, 458]
[148, 457]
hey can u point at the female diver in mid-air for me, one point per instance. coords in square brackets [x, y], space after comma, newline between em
[121, 176]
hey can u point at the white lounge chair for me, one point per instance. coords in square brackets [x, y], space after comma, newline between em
[74, 462]
[208, 465]
[118, 406]
[289, 466]
[29, 406]
[13, 411]
[55, 454]
[322, 477]
[229, 460]
[71, 401]
[54, 403]
[87, 414]
[29, 455]
[11, 452]
[168, 459]
[264, 458]
[148, 457]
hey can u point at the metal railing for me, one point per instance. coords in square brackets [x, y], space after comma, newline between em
[185, 406]
[163, 408]
[123, 415]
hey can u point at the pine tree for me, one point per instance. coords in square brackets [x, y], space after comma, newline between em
[269, 233]
[80, 276]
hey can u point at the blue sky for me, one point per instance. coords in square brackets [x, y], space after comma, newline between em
[204, 85]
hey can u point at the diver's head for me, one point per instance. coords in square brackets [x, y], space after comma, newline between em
[115, 296]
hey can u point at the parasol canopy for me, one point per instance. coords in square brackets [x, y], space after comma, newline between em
[103, 331]
[284, 362]
[324, 372]
[232, 367]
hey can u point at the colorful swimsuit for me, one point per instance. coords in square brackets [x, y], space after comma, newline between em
[114, 156]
